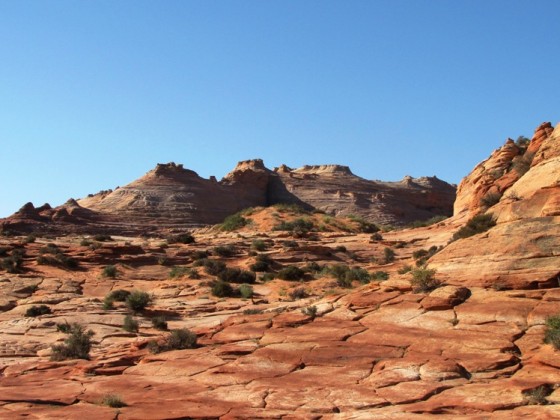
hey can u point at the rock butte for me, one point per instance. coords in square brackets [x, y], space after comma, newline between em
[170, 197]
[470, 349]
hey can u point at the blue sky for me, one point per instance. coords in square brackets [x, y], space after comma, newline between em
[95, 93]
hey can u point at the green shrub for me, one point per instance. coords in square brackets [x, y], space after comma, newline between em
[182, 238]
[199, 255]
[110, 271]
[236, 275]
[267, 277]
[490, 199]
[423, 280]
[422, 256]
[137, 300]
[299, 227]
[252, 311]
[14, 263]
[310, 311]
[478, 224]
[291, 273]
[177, 340]
[113, 401]
[431, 221]
[389, 255]
[86, 242]
[262, 263]
[119, 295]
[63, 327]
[178, 272]
[246, 291]
[224, 251]
[259, 245]
[380, 275]
[101, 237]
[340, 248]
[290, 244]
[76, 346]
[213, 267]
[405, 269]
[130, 324]
[298, 293]
[222, 289]
[552, 331]
[29, 239]
[38, 310]
[233, 222]
[159, 323]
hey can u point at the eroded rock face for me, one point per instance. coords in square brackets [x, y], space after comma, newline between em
[172, 197]
[520, 252]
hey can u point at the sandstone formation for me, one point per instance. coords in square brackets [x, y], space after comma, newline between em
[172, 198]
[327, 346]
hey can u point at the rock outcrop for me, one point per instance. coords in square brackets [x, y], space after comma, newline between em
[521, 251]
[171, 197]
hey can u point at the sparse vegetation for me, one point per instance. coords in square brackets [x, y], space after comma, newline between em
[298, 293]
[405, 269]
[181, 238]
[37, 311]
[291, 273]
[310, 311]
[222, 289]
[246, 291]
[380, 275]
[224, 251]
[159, 323]
[180, 271]
[138, 300]
[422, 256]
[130, 324]
[298, 227]
[236, 275]
[110, 271]
[76, 346]
[490, 199]
[388, 255]
[13, 264]
[478, 224]
[179, 339]
[552, 331]
[101, 237]
[537, 396]
[363, 225]
[213, 267]
[423, 280]
[259, 245]
[429, 222]
[262, 263]
[233, 222]
[113, 401]
[345, 275]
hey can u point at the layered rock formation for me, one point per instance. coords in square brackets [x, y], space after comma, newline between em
[521, 251]
[171, 197]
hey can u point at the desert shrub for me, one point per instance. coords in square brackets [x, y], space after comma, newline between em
[405, 269]
[259, 245]
[38, 310]
[388, 255]
[119, 295]
[376, 237]
[537, 396]
[110, 271]
[130, 324]
[159, 323]
[252, 311]
[4, 251]
[233, 222]
[113, 401]
[262, 263]
[552, 331]
[102, 237]
[423, 280]
[267, 277]
[181, 238]
[310, 311]
[246, 291]
[29, 239]
[380, 275]
[290, 244]
[340, 248]
[199, 255]
[214, 267]
[290, 208]
[63, 327]
[490, 199]
[298, 293]
[76, 346]
[358, 274]
[222, 289]
[291, 273]
[521, 164]
[138, 300]
[13, 264]
[299, 227]
[312, 267]
[428, 222]
[86, 242]
[177, 340]
[236, 275]
[224, 250]
[522, 142]
[179, 271]
[422, 255]
[57, 258]
[478, 224]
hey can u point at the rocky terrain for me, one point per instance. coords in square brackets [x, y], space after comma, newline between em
[170, 198]
[418, 322]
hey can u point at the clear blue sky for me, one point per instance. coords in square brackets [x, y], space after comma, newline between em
[94, 93]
